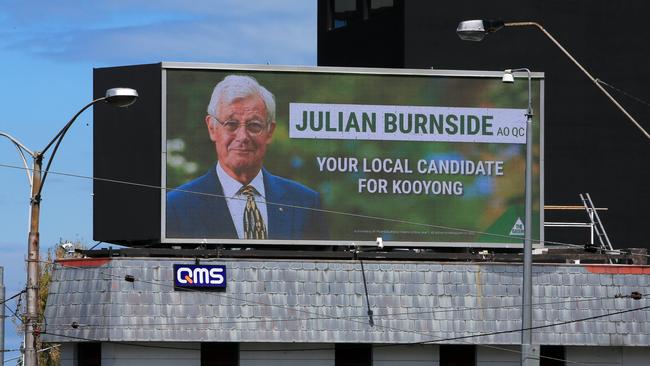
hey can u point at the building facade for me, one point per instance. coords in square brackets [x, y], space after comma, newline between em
[589, 145]
[120, 311]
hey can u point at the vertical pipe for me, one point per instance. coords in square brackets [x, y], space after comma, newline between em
[527, 353]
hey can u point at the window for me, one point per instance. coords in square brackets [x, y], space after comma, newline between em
[219, 354]
[378, 4]
[335, 14]
[556, 354]
[353, 355]
[347, 12]
[89, 354]
[457, 355]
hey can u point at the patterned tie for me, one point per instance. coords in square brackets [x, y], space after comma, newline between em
[253, 221]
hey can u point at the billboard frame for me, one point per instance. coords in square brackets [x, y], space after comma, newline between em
[538, 76]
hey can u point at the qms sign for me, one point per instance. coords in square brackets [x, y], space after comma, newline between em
[203, 277]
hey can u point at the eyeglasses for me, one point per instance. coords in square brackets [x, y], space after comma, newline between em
[253, 128]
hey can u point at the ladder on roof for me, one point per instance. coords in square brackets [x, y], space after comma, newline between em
[597, 225]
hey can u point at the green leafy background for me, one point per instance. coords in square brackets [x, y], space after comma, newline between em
[485, 212]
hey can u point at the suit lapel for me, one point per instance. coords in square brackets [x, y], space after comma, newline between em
[216, 214]
[279, 216]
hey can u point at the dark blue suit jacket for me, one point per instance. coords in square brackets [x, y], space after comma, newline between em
[205, 214]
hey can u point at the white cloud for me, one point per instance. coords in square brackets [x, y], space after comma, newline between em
[279, 32]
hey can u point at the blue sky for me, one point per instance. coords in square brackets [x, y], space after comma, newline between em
[48, 50]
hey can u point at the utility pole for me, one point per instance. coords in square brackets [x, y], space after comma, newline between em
[31, 317]
[2, 316]
[120, 97]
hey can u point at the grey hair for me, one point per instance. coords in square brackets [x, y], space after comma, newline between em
[234, 87]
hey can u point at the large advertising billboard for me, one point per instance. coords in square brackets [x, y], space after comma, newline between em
[264, 155]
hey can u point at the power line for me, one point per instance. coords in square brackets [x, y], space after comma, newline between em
[639, 100]
[400, 221]
[12, 359]
[12, 297]
[397, 314]
[366, 217]
[437, 339]
[139, 344]
[319, 315]
[14, 313]
[40, 350]
[539, 326]
[333, 212]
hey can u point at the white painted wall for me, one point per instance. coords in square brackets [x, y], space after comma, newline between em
[153, 354]
[596, 356]
[498, 356]
[636, 356]
[68, 354]
[591, 355]
[413, 355]
[286, 354]
[269, 354]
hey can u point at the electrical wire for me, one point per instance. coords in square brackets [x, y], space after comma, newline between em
[427, 342]
[40, 350]
[12, 297]
[379, 219]
[318, 315]
[538, 326]
[435, 340]
[637, 99]
[339, 318]
[12, 359]
[439, 340]
[285, 350]
[96, 244]
[396, 314]
[333, 212]
[322, 316]
[14, 314]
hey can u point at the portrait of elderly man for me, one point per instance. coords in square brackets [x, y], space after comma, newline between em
[238, 197]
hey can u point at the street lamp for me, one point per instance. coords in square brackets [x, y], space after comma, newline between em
[476, 30]
[528, 353]
[120, 97]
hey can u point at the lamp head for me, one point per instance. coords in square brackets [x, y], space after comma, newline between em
[121, 97]
[476, 30]
[68, 248]
[508, 77]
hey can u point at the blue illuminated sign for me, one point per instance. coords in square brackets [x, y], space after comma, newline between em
[199, 276]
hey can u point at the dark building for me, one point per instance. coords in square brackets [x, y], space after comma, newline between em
[590, 146]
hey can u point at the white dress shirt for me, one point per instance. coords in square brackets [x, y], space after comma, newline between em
[237, 202]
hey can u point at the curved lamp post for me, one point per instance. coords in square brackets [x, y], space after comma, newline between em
[476, 30]
[120, 97]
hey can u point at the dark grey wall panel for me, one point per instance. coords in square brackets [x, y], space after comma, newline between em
[590, 146]
[127, 148]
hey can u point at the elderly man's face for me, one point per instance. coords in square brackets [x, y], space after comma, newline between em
[241, 152]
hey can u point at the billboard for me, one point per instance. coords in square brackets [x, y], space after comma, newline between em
[331, 156]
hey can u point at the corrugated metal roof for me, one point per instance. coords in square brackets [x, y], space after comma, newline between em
[324, 302]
